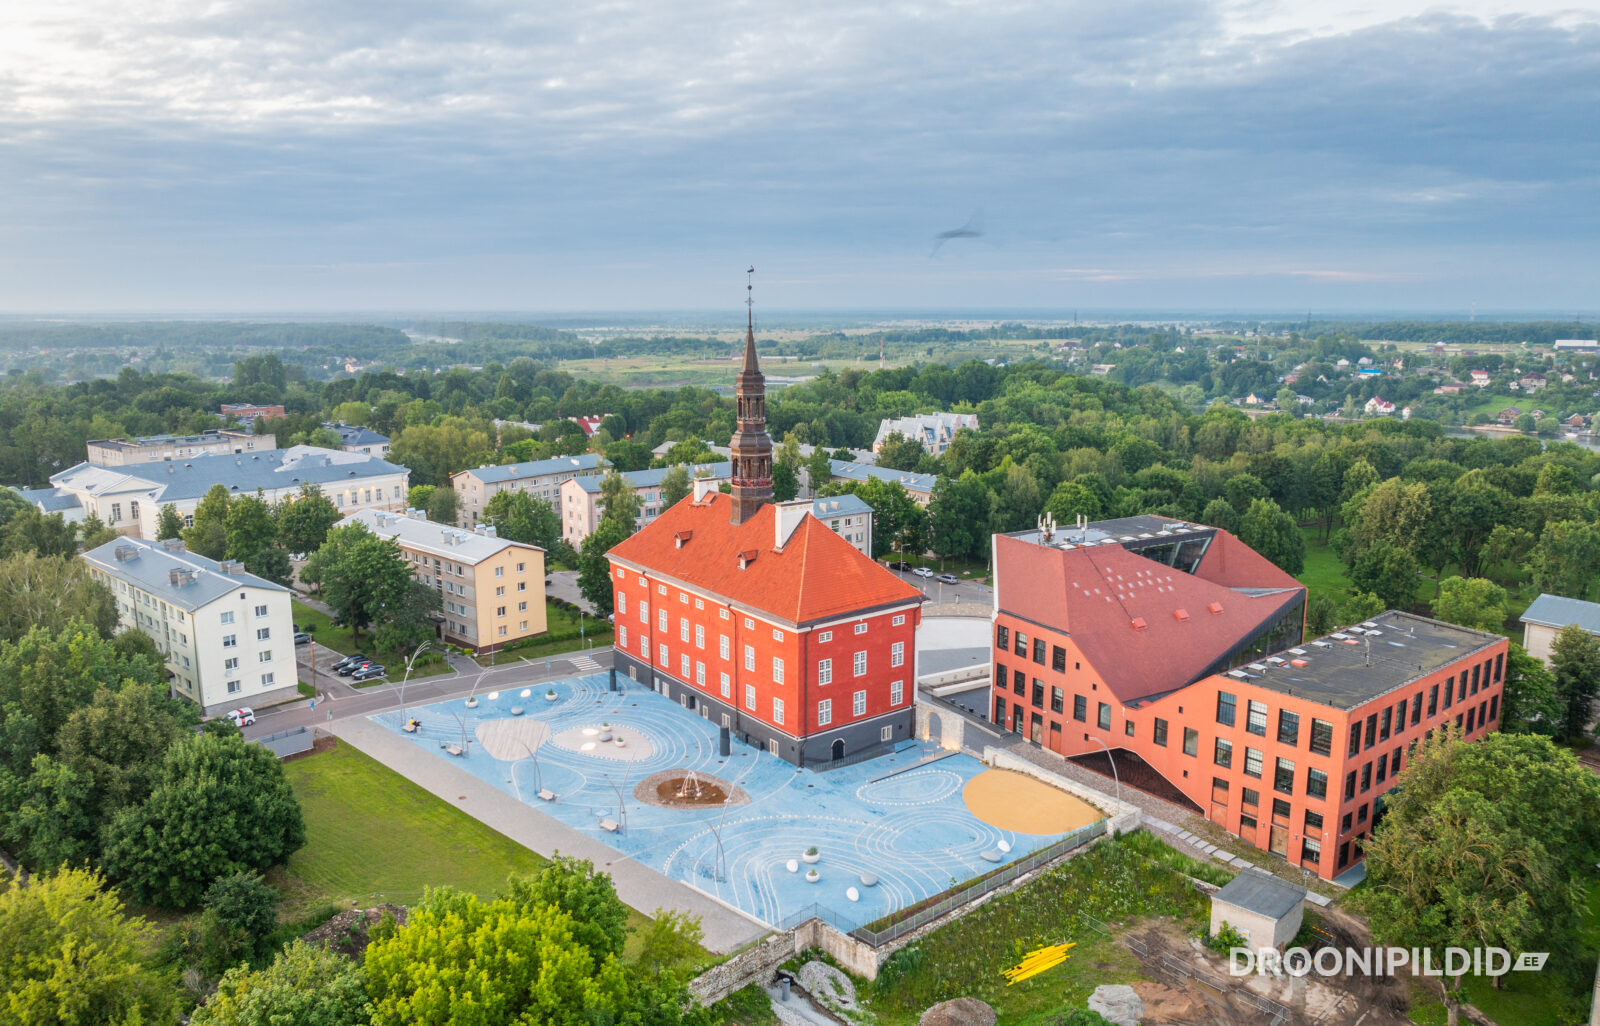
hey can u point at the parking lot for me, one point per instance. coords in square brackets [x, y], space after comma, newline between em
[939, 591]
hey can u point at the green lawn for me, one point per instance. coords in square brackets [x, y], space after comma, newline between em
[1324, 572]
[374, 836]
[561, 635]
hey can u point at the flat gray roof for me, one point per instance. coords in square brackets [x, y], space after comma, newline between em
[149, 567]
[1262, 893]
[1352, 666]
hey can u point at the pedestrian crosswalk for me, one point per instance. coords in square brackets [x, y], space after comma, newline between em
[584, 664]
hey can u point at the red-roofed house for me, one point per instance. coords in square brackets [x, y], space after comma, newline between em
[1171, 652]
[762, 619]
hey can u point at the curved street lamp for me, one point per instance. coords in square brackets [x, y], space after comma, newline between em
[1111, 759]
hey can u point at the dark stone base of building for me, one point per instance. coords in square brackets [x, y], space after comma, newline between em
[848, 744]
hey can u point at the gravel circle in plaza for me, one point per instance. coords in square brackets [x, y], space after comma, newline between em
[635, 746]
[661, 789]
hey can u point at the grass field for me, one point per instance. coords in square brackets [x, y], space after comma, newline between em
[1324, 572]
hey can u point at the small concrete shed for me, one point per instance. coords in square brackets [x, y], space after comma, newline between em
[1267, 910]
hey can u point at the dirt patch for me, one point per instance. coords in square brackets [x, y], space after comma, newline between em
[687, 789]
[1016, 801]
[348, 932]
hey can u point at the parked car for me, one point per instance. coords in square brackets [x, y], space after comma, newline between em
[350, 661]
[349, 670]
[241, 717]
[899, 564]
[948, 579]
[923, 571]
[301, 638]
[367, 672]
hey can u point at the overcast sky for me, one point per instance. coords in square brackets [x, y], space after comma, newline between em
[303, 155]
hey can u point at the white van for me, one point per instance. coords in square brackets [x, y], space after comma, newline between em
[241, 717]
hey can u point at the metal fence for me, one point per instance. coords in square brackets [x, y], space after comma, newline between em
[289, 742]
[956, 899]
[876, 751]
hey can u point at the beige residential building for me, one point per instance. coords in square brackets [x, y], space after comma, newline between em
[541, 479]
[491, 589]
[117, 452]
[581, 506]
[226, 635]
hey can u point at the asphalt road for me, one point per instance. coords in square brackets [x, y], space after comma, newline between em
[963, 591]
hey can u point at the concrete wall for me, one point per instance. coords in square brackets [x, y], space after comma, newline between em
[1260, 931]
[1538, 640]
[752, 965]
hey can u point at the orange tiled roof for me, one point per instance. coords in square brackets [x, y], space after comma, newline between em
[817, 575]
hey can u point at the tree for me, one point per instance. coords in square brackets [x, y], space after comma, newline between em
[619, 501]
[69, 954]
[306, 985]
[209, 534]
[628, 455]
[594, 570]
[522, 518]
[1474, 602]
[1393, 511]
[1575, 665]
[1243, 489]
[690, 450]
[958, 516]
[1483, 844]
[1566, 560]
[168, 523]
[418, 496]
[786, 465]
[49, 591]
[573, 885]
[433, 452]
[304, 522]
[897, 452]
[361, 575]
[1387, 571]
[1528, 702]
[1219, 512]
[1017, 501]
[675, 485]
[819, 469]
[442, 505]
[407, 618]
[95, 532]
[218, 806]
[32, 531]
[252, 536]
[1070, 500]
[240, 911]
[1274, 534]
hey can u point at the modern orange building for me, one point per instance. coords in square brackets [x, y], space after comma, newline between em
[1173, 653]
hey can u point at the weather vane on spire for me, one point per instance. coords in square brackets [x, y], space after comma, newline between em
[750, 285]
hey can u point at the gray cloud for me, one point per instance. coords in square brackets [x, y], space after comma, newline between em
[363, 155]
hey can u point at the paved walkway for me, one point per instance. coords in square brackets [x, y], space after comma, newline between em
[638, 886]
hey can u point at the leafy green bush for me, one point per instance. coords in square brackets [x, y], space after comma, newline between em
[1226, 938]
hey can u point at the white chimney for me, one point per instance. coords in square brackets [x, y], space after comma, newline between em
[789, 515]
[703, 486]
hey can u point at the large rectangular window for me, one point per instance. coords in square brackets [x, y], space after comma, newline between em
[1383, 729]
[858, 704]
[1223, 755]
[1256, 718]
[1038, 650]
[1002, 637]
[825, 671]
[1225, 708]
[1317, 783]
[1038, 693]
[1372, 730]
[1057, 698]
[1022, 645]
[1321, 737]
[1080, 708]
[860, 664]
[1159, 732]
[1449, 691]
[1416, 708]
[1252, 763]
[1288, 728]
[1283, 777]
[825, 711]
[1104, 716]
[1058, 659]
[777, 670]
[1191, 741]
[1433, 700]
[897, 654]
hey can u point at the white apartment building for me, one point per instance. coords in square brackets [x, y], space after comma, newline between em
[227, 635]
[581, 506]
[129, 498]
[846, 516]
[119, 452]
[541, 479]
[933, 431]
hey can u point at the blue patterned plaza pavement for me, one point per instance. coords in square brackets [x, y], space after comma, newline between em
[912, 830]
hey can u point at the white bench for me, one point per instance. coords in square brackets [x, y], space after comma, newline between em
[547, 795]
[608, 825]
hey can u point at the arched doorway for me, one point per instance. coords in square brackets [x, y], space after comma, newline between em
[838, 748]
[934, 728]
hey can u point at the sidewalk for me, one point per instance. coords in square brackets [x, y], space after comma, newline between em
[638, 886]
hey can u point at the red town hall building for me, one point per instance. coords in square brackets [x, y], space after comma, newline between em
[763, 620]
[1173, 652]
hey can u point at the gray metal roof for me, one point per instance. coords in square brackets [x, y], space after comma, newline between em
[240, 473]
[150, 568]
[1261, 893]
[538, 468]
[861, 471]
[845, 505]
[50, 500]
[350, 434]
[652, 478]
[1556, 611]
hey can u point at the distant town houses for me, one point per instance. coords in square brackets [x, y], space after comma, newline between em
[1508, 415]
[581, 506]
[245, 413]
[589, 424]
[1480, 378]
[491, 589]
[1379, 407]
[117, 452]
[541, 479]
[918, 486]
[226, 636]
[129, 498]
[360, 439]
[933, 431]
[1533, 381]
[1546, 617]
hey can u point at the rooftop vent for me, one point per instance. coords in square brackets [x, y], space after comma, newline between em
[682, 538]
[1139, 624]
[1299, 663]
[1180, 614]
[1323, 644]
[1215, 608]
[123, 553]
[231, 566]
[178, 578]
[746, 557]
[172, 544]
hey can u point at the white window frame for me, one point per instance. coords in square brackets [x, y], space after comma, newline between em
[777, 670]
[824, 712]
[858, 703]
[825, 671]
[897, 692]
[859, 663]
[777, 710]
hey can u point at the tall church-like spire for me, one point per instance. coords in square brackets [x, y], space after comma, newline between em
[751, 445]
